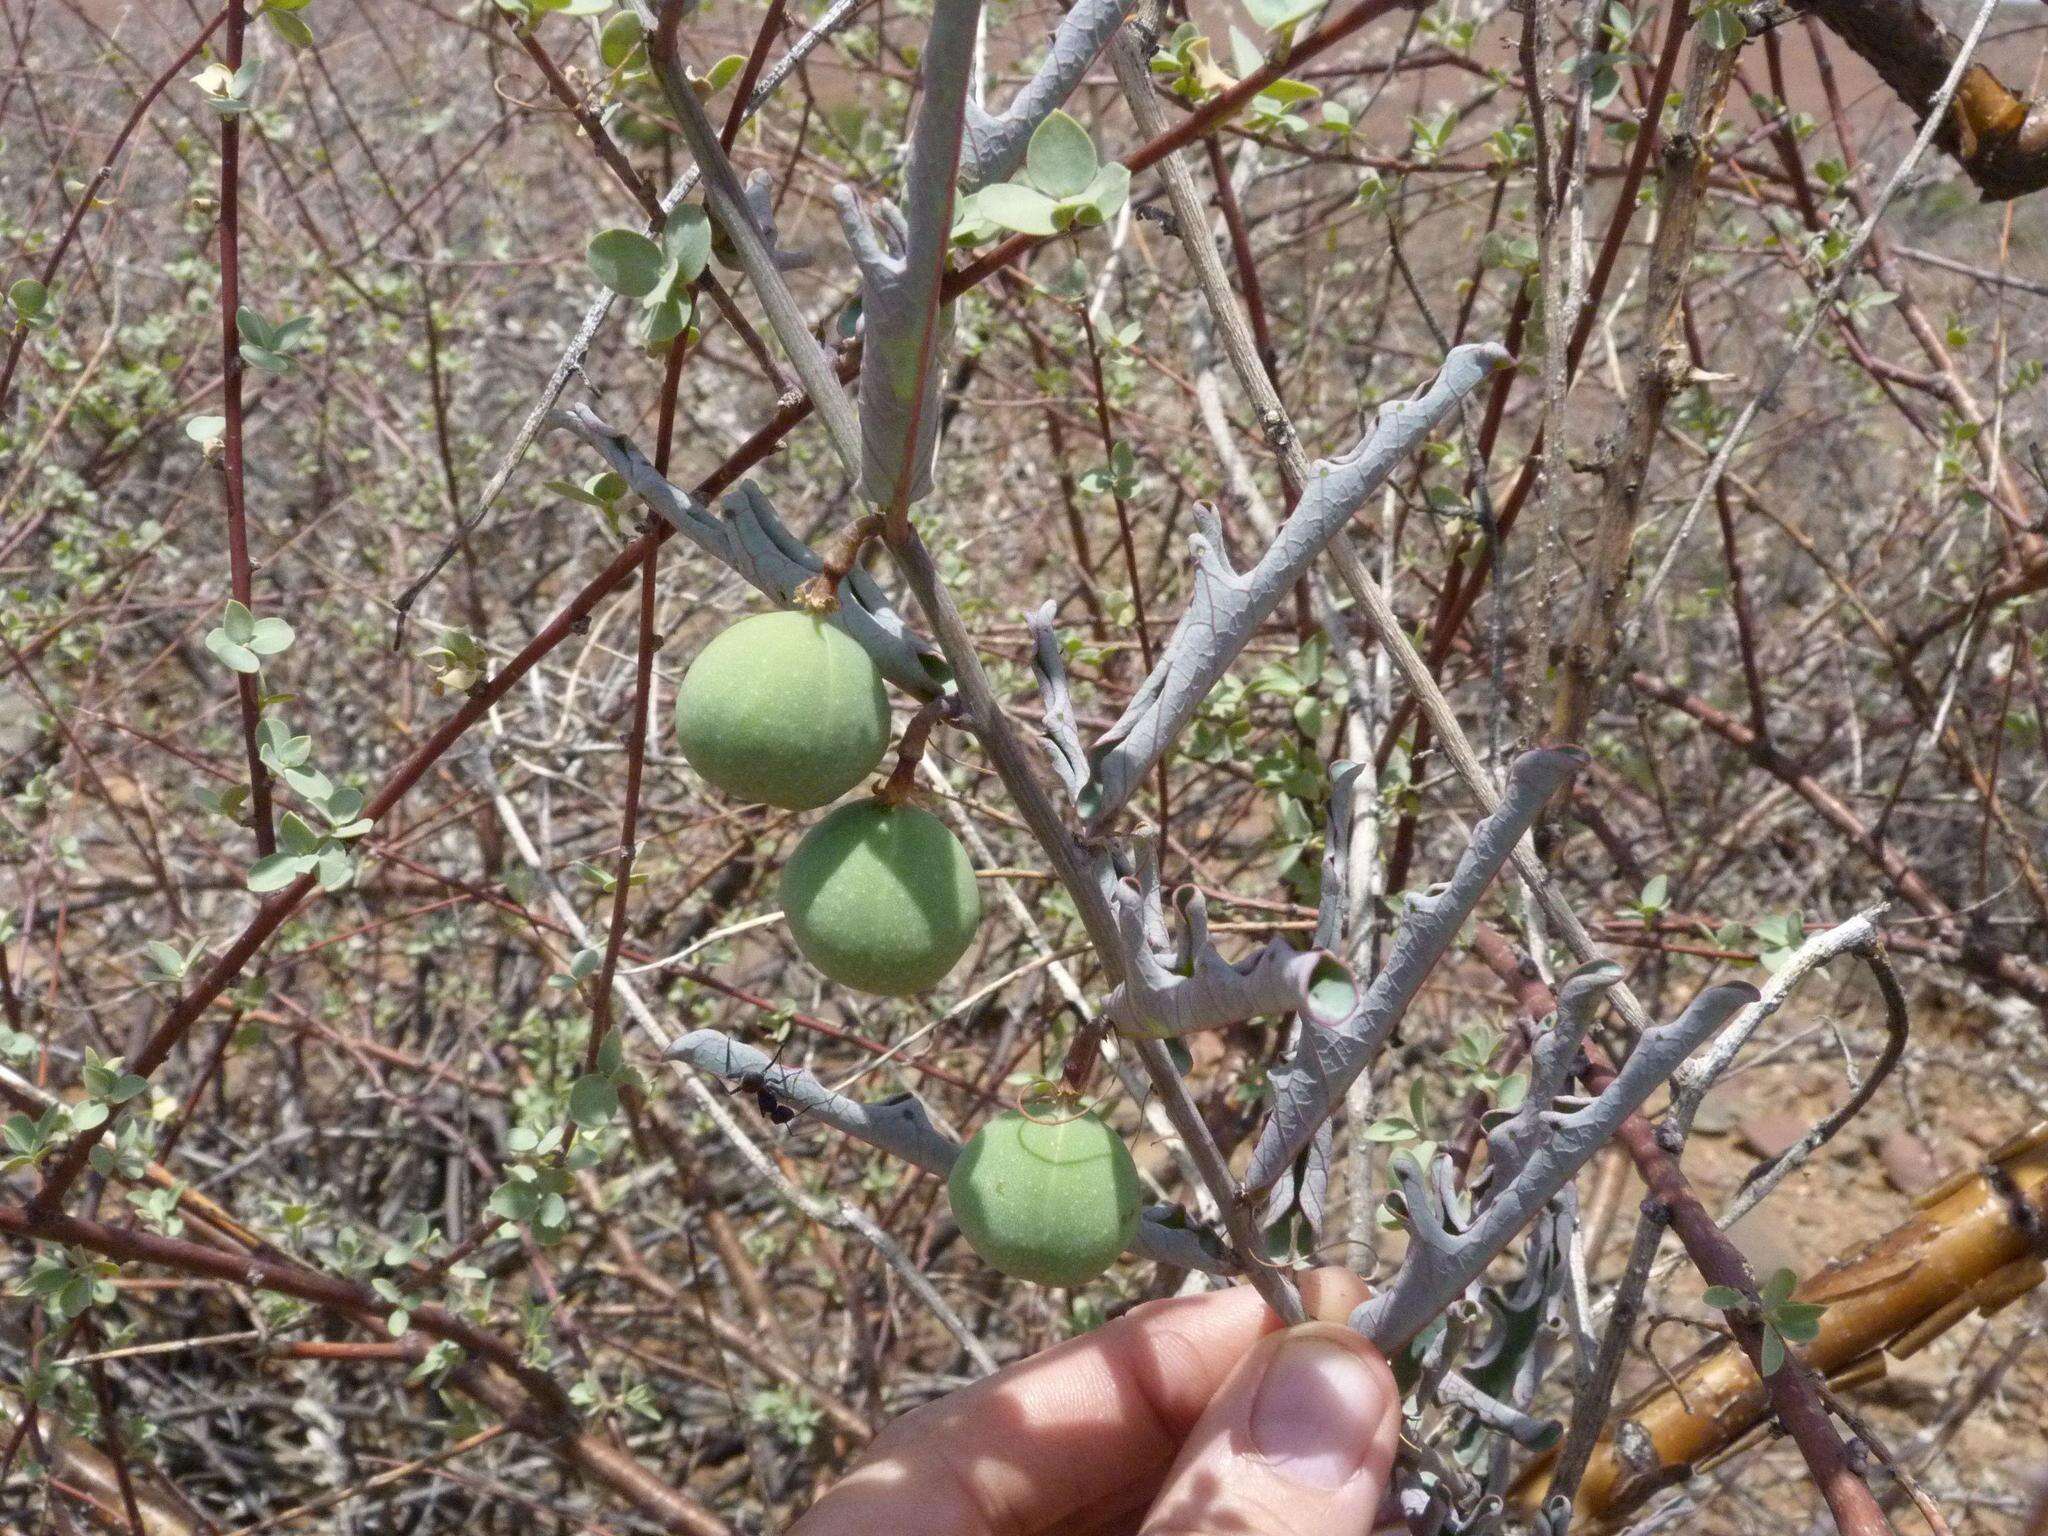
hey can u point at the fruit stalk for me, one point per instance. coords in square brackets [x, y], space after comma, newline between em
[820, 594]
[902, 781]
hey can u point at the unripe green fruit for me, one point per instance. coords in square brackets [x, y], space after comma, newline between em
[783, 709]
[1053, 1200]
[881, 897]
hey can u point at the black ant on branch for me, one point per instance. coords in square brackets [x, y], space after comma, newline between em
[768, 1100]
[755, 1081]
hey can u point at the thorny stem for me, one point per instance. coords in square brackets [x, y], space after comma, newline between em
[240, 574]
[646, 644]
[1766, 1176]
[110, 1425]
[1792, 1388]
[570, 362]
[536, 1404]
[1241, 256]
[727, 203]
[602, 143]
[1589, 1405]
[1106, 431]
[757, 58]
[1460, 589]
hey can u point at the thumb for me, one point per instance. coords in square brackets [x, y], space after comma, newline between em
[1300, 1438]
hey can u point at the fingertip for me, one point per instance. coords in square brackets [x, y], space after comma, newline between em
[1330, 1294]
[1302, 1437]
[1326, 1409]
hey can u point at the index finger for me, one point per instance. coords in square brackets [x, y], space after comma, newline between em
[1089, 1423]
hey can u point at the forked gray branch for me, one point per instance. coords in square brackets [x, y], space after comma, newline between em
[905, 330]
[1326, 1060]
[1062, 735]
[726, 200]
[1198, 989]
[1228, 606]
[1442, 1262]
[1553, 1057]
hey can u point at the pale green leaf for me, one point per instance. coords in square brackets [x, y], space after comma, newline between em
[1060, 161]
[626, 262]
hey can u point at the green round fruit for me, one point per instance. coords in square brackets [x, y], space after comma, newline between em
[881, 897]
[1053, 1200]
[783, 709]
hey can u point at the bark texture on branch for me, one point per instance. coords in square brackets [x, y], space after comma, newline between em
[1587, 646]
[1998, 137]
[1971, 1246]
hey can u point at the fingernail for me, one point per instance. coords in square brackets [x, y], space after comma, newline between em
[1318, 1411]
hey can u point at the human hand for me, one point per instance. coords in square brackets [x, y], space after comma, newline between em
[1196, 1416]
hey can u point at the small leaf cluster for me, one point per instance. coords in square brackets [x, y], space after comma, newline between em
[1409, 1133]
[1471, 1061]
[421, 1243]
[594, 1097]
[1290, 763]
[660, 274]
[242, 640]
[29, 301]
[301, 850]
[1778, 938]
[1720, 23]
[606, 881]
[1064, 186]
[589, 1393]
[531, 11]
[270, 347]
[1655, 898]
[209, 432]
[126, 1152]
[605, 491]
[286, 22]
[1184, 61]
[582, 966]
[69, 1283]
[1783, 1320]
[1430, 136]
[1117, 478]
[106, 1082]
[1282, 16]
[229, 92]
[459, 662]
[158, 1208]
[26, 1140]
[535, 1193]
[791, 1417]
[560, 1134]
